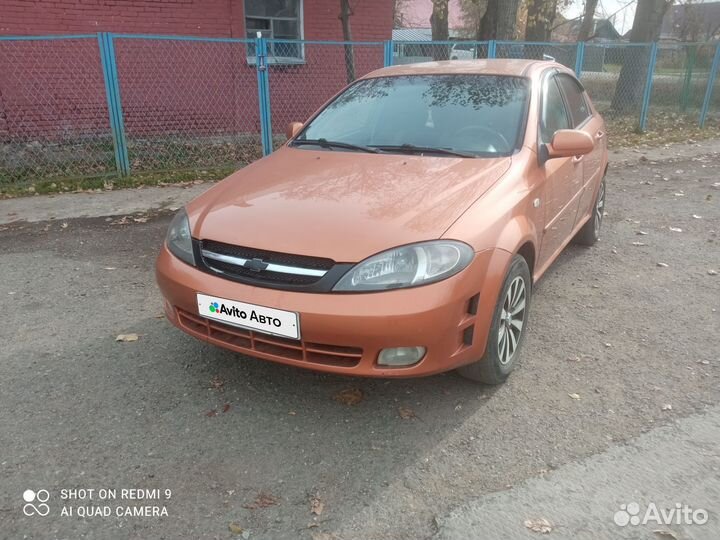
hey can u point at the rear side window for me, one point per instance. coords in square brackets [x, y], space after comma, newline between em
[554, 115]
[579, 111]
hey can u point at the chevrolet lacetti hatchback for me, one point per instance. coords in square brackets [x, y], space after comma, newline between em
[399, 231]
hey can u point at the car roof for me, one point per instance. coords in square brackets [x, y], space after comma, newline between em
[510, 67]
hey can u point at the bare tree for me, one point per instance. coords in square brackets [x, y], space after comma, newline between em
[645, 29]
[440, 30]
[588, 19]
[488, 22]
[398, 13]
[540, 18]
[506, 19]
[345, 14]
[497, 21]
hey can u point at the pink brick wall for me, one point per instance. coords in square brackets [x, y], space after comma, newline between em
[54, 89]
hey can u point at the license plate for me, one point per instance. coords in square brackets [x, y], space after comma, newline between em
[263, 319]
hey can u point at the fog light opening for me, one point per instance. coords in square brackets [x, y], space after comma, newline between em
[401, 356]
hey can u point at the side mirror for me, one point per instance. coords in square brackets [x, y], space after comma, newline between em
[293, 129]
[569, 142]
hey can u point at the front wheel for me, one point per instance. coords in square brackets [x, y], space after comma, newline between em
[508, 327]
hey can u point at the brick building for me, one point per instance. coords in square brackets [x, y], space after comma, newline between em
[54, 89]
[287, 19]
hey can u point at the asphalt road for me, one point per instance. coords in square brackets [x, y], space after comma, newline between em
[248, 448]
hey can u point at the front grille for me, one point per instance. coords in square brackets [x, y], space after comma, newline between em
[267, 276]
[249, 341]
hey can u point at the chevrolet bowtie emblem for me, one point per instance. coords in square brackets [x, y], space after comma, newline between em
[256, 265]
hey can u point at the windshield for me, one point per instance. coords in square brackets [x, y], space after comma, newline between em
[478, 115]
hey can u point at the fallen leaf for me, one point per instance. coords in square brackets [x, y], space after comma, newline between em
[349, 396]
[226, 407]
[316, 505]
[539, 525]
[64, 225]
[216, 383]
[406, 413]
[140, 219]
[574, 396]
[235, 528]
[263, 500]
[211, 413]
[665, 533]
[127, 337]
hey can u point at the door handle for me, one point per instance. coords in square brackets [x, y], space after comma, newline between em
[577, 159]
[599, 134]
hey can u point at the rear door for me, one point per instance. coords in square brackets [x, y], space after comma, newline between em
[561, 173]
[583, 118]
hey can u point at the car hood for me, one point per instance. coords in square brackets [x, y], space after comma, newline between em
[342, 205]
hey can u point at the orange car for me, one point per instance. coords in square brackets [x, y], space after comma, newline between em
[399, 231]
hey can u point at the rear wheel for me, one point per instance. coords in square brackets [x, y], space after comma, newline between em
[590, 232]
[508, 328]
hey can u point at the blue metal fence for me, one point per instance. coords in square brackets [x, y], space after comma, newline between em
[119, 104]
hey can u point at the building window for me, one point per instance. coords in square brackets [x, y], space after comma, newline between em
[276, 20]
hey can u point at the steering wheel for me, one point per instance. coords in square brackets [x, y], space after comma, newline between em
[497, 141]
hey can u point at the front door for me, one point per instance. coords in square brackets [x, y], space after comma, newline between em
[583, 118]
[563, 175]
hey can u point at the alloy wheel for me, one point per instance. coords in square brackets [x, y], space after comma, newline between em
[599, 207]
[512, 319]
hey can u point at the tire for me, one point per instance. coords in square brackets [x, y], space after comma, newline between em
[500, 357]
[590, 232]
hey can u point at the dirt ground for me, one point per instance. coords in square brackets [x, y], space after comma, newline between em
[249, 448]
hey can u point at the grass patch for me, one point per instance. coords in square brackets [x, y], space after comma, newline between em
[109, 183]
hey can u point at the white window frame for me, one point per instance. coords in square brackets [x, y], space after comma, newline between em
[281, 60]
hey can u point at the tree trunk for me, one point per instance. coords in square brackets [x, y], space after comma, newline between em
[488, 24]
[439, 26]
[588, 19]
[541, 15]
[506, 19]
[645, 29]
[345, 13]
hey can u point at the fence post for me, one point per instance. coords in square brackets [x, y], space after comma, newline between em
[579, 58]
[648, 87]
[710, 85]
[388, 53]
[491, 48]
[261, 67]
[112, 94]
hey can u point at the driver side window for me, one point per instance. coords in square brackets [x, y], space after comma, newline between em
[554, 114]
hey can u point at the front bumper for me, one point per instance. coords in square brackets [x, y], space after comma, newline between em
[344, 333]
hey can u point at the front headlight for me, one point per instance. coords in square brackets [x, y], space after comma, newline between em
[178, 238]
[407, 266]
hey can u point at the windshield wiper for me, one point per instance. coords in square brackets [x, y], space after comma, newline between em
[412, 149]
[324, 143]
